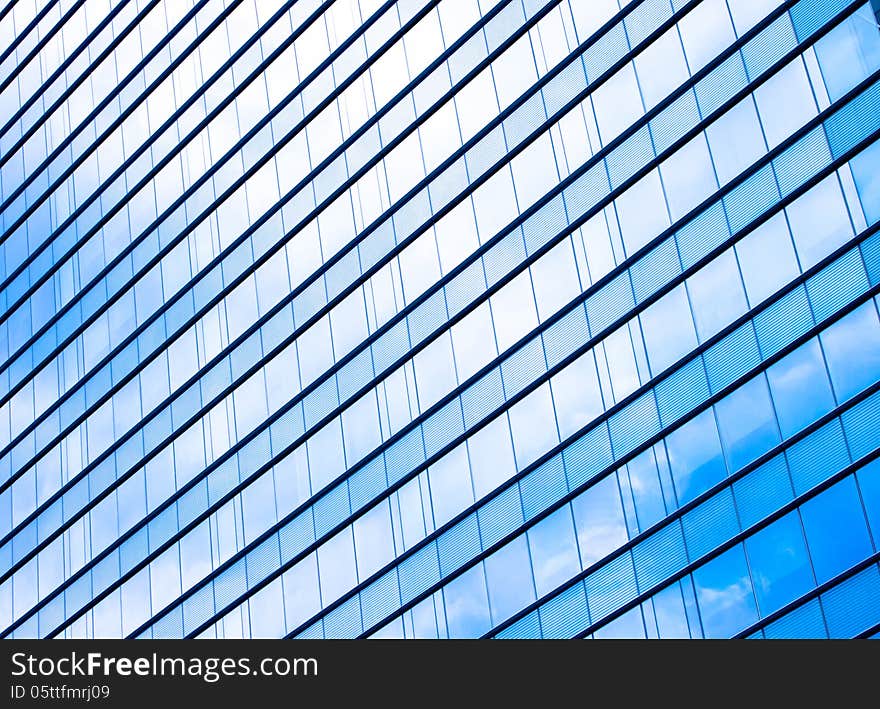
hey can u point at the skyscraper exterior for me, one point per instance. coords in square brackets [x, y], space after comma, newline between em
[439, 318]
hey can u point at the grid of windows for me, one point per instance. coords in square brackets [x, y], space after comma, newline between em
[439, 318]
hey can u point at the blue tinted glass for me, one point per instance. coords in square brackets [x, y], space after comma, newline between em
[467, 605]
[644, 479]
[598, 516]
[724, 594]
[451, 490]
[852, 346]
[220, 393]
[668, 329]
[554, 551]
[866, 173]
[509, 577]
[800, 388]
[747, 423]
[629, 626]
[695, 457]
[670, 614]
[779, 563]
[849, 52]
[869, 486]
[836, 530]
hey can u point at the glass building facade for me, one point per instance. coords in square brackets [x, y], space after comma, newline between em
[439, 318]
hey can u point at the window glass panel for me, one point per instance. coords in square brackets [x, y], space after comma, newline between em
[779, 563]
[590, 16]
[747, 423]
[866, 173]
[705, 31]
[785, 102]
[661, 68]
[695, 457]
[869, 486]
[598, 517]
[641, 211]
[629, 626]
[819, 221]
[360, 424]
[534, 172]
[554, 550]
[533, 426]
[670, 614]
[747, 13]
[852, 347]
[724, 594]
[467, 605]
[688, 177]
[435, 371]
[474, 342]
[644, 480]
[509, 577]
[849, 52]
[736, 140]
[800, 388]
[301, 598]
[337, 566]
[617, 103]
[668, 329]
[717, 295]
[513, 310]
[451, 490]
[456, 235]
[836, 530]
[555, 279]
[266, 620]
[767, 259]
[491, 456]
[576, 394]
[374, 540]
